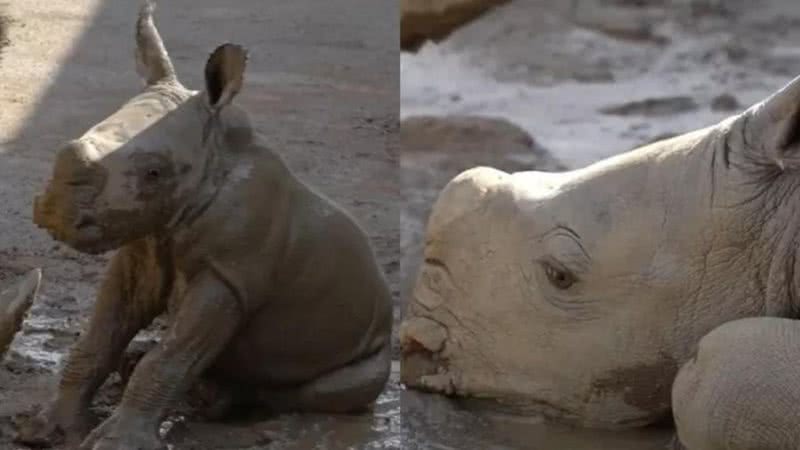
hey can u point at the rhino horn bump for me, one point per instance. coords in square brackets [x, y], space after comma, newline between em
[152, 60]
[14, 303]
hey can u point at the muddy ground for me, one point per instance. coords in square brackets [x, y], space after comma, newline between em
[322, 85]
[585, 79]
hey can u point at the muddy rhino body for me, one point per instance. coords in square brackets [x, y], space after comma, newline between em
[274, 296]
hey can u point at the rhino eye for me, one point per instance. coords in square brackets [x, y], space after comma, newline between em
[560, 278]
[153, 174]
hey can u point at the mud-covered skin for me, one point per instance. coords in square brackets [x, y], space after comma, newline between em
[15, 301]
[272, 291]
[579, 295]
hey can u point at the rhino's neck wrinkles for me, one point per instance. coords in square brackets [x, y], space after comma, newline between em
[778, 243]
[251, 170]
[762, 203]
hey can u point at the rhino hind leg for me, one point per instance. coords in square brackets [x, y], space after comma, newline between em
[349, 389]
[14, 304]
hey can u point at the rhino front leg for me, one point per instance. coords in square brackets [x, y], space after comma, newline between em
[207, 318]
[740, 391]
[14, 303]
[117, 316]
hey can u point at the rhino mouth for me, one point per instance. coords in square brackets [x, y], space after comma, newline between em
[88, 238]
[85, 239]
[422, 341]
[84, 233]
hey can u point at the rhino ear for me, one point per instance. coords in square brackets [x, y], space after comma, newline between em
[773, 126]
[225, 74]
[152, 61]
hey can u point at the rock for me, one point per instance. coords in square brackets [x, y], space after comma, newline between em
[628, 21]
[725, 102]
[423, 20]
[653, 107]
[436, 149]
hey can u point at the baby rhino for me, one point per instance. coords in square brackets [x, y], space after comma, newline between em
[273, 293]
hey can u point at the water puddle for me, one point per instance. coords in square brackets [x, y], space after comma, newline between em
[435, 422]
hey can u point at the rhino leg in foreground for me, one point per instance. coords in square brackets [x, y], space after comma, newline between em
[740, 390]
[272, 291]
[579, 295]
[15, 302]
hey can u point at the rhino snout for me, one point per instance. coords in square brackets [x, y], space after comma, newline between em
[422, 340]
[85, 221]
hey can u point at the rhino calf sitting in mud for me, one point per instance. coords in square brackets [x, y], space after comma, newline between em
[579, 295]
[273, 292]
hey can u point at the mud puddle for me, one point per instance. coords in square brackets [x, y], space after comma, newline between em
[37, 354]
[434, 422]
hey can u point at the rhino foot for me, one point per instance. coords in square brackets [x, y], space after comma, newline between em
[116, 434]
[14, 304]
[46, 430]
[40, 432]
[212, 400]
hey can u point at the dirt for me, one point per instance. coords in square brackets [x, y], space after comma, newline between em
[321, 85]
[553, 67]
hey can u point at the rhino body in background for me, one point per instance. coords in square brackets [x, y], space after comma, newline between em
[15, 301]
[273, 292]
[579, 295]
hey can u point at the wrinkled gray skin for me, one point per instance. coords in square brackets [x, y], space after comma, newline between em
[579, 295]
[741, 390]
[274, 296]
[15, 301]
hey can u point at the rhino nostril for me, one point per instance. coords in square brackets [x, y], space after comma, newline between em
[84, 221]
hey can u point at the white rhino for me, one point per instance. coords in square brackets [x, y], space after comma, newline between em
[579, 295]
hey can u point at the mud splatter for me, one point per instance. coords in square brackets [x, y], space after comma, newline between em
[645, 386]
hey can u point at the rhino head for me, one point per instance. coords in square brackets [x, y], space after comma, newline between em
[155, 161]
[578, 295]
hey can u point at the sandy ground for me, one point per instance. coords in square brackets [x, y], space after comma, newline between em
[587, 79]
[321, 83]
